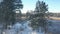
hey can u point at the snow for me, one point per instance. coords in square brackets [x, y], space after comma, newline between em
[55, 27]
[24, 28]
[16, 29]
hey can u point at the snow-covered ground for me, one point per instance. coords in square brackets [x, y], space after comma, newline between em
[55, 27]
[24, 28]
[20, 28]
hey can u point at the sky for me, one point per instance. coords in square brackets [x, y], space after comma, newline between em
[53, 5]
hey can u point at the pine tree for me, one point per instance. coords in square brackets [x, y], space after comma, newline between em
[40, 20]
[7, 9]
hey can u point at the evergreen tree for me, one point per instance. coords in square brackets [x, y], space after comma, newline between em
[7, 9]
[40, 12]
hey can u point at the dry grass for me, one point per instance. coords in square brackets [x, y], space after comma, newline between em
[54, 18]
